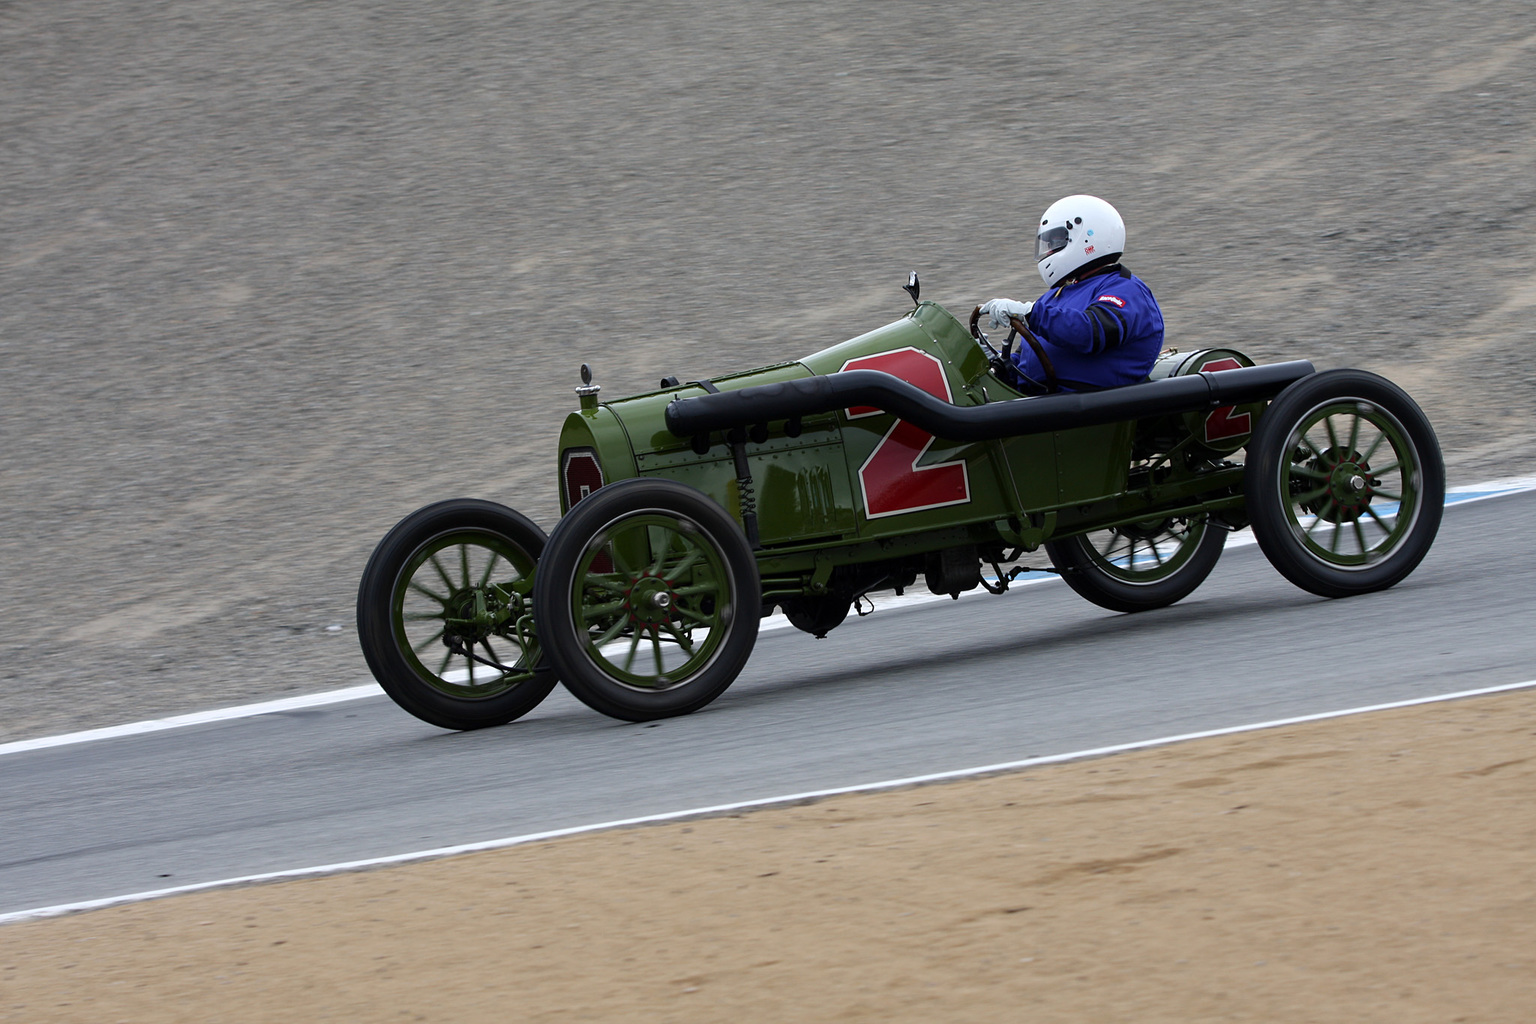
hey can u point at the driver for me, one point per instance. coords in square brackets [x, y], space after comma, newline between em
[1097, 326]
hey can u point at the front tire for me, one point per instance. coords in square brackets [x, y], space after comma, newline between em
[648, 599]
[443, 615]
[1345, 483]
[1141, 566]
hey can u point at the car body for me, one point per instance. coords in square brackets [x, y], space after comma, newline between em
[903, 454]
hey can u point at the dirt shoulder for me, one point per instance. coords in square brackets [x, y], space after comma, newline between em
[1375, 868]
[272, 275]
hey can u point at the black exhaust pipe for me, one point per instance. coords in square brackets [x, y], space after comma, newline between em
[807, 396]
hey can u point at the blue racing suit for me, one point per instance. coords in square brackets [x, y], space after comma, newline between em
[1100, 332]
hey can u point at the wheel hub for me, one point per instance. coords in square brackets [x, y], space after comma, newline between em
[1349, 487]
[649, 600]
[473, 615]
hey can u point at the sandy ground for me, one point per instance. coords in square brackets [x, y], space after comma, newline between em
[274, 273]
[1375, 868]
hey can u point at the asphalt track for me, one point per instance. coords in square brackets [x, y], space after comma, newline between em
[925, 689]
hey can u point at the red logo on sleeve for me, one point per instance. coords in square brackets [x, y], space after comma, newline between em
[1119, 302]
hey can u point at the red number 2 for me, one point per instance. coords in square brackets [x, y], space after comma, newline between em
[890, 478]
[1226, 422]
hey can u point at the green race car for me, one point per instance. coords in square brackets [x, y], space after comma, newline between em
[901, 458]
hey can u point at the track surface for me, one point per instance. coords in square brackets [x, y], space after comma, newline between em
[933, 688]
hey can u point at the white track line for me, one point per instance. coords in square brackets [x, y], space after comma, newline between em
[1454, 496]
[717, 809]
[312, 700]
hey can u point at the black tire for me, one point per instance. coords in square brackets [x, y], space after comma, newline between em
[1103, 566]
[1345, 483]
[411, 609]
[655, 563]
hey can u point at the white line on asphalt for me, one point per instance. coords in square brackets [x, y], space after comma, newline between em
[312, 700]
[741, 805]
[1454, 496]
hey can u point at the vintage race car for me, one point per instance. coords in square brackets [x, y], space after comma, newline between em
[902, 455]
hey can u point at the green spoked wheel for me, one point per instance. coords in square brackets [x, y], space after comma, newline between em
[444, 614]
[1345, 483]
[1139, 566]
[647, 599]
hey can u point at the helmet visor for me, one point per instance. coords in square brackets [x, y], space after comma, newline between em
[1048, 241]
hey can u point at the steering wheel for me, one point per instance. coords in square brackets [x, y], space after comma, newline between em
[1002, 362]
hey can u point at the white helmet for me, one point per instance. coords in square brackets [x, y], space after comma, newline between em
[1074, 232]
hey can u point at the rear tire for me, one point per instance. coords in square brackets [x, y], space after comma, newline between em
[1345, 483]
[1139, 567]
[450, 584]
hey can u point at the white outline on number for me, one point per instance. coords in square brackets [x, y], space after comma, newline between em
[1233, 416]
[571, 455]
[965, 473]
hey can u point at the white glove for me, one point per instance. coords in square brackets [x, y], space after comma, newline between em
[1001, 309]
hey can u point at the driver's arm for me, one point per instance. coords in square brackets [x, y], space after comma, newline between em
[1099, 328]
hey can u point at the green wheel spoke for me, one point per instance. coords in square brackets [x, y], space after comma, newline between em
[654, 569]
[598, 611]
[1377, 519]
[418, 648]
[612, 631]
[423, 590]
[1389, 495]
[699, 617]
[634, 645]
[1308, 471]
[1381, 435]
[1354, 435]
[447, 657]
[1333, 541]
[684, 565]
[464, 563]
[1311, 496]
[490, 652]
[1360, 537]
[606, 584]
[683, 640]
[1333, 437]
[1130, 558]
[1304, 439]
[656, 651]
[447, 581]
[1321, 514]
[485, 577]
[1157, 555]
[697, 589]
[1376, 471]
[422, 616]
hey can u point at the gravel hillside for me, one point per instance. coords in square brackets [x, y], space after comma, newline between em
[274, 274]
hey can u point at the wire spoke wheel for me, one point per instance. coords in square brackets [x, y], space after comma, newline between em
[1353, 479]
[458, 602]
[444, 614]
[1139, 566]
[1345, 483]
[648, 599]
[652, 619]
[1145, 553]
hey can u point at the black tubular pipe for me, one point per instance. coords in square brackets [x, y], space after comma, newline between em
[810, 395]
